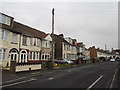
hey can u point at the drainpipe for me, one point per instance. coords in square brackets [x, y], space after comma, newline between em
[19, 47]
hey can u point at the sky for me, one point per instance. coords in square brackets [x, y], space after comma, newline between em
[93, 22]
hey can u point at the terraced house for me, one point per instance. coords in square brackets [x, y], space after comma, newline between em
[21, 43]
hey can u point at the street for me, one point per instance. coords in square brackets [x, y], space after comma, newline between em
[97, 75]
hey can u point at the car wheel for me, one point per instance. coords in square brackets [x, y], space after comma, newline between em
[66, 62]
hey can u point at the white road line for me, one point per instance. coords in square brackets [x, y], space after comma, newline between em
[50, 78]
[113, 79]
[13, 80]
[17, 83]
[36, 73]
[94, 83]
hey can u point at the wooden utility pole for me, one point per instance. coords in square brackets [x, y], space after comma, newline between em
[106, 51]
[52, 58]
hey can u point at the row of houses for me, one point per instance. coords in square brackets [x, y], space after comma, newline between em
[23, 44]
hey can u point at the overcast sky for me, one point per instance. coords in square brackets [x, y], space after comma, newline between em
[93, 23]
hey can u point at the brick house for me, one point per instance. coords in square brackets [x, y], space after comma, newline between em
[64, 49]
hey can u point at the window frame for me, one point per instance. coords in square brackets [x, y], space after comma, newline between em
[24, 40]
[14, 38]
[3, 54]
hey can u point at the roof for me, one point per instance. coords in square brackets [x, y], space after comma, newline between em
[61, 39]
[25, 30]
[6, 15]
[20, 28]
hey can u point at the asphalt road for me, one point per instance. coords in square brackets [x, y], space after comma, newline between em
[99, 75]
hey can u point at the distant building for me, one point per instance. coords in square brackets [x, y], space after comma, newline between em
[64, 47]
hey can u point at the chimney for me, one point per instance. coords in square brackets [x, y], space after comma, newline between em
[61, 35]
[93, 46]
[98, 48]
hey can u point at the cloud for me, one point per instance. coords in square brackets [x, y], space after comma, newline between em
[94, 23]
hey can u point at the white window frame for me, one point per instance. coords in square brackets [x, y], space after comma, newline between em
[14, 38]
[24, 56]
[3, 54]
[5, 19]
[43, 54]
[37, 55]
[31, 41]
[3, 34]
[24, 40]
[15, 55]
[34, 54]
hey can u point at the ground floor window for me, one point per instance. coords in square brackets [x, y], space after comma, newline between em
[2, 54]
[14, 55]
[71, 56]
[45, 56]
[23, 56]
[34, 55]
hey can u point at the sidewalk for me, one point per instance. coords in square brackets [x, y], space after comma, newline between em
[7, 76]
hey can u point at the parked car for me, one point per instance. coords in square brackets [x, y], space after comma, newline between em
[112, 60]
[63, 61]
[118, 59]
[86, 58]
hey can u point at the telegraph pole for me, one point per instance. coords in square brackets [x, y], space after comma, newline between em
[52, 58]
[106, 51]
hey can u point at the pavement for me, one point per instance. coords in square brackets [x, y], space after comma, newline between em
[7, 76]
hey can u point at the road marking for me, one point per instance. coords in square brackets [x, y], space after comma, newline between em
[13, 80]
[17, 83]
[113, 79]
[50, 78]
[36, 73]
[94, 83]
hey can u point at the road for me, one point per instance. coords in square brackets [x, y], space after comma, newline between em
[98, 75]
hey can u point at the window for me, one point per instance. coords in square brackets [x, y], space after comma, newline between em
[14, 55]
[3, 34]
[31, 41]
[37, 55]
[14, 38]
[45, 56]
[46, 44]
[23, 56]
[34, 55]
[4, 19]
[35, 42]
[24, 41]
[2, 54]
[38, 42]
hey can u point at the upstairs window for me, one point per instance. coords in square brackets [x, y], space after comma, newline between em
[38, 42]
[3, 34]
[24, 40]
[4, 19]
[31, 41]
[14, 38]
